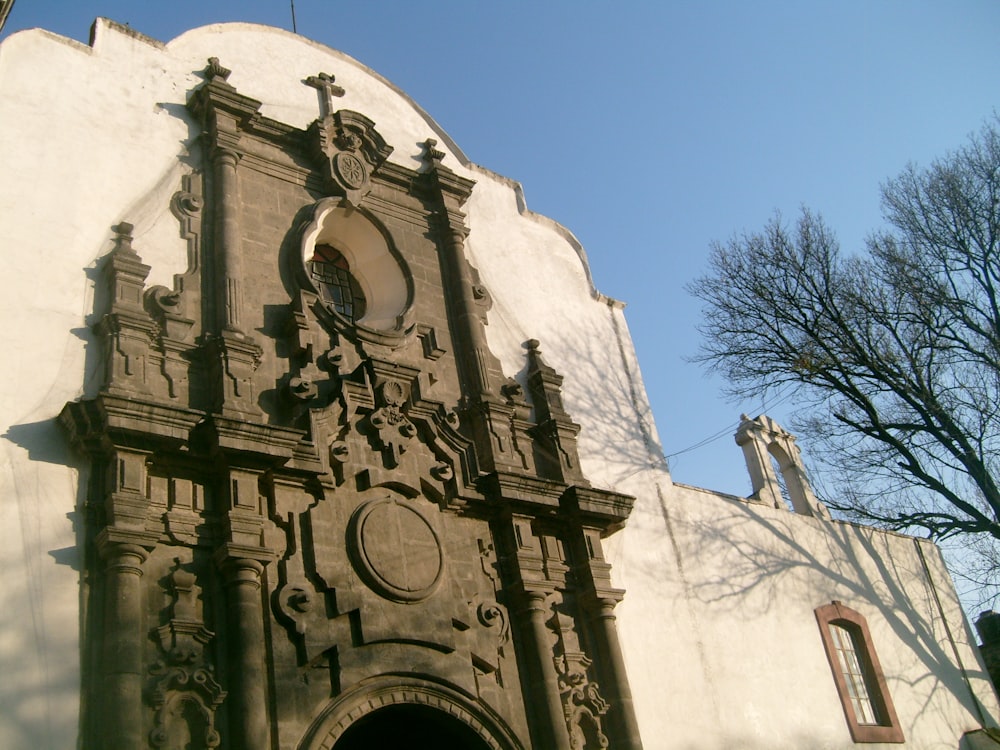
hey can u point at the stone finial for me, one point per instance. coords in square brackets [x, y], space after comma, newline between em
[432, 155]
[214, 70]
[123, 237]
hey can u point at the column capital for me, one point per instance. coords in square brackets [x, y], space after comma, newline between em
[225, 155]
[604, 606]
[242, 564]
[533, 599]
[116, 546]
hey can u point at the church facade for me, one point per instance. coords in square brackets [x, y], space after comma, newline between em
[321, 439]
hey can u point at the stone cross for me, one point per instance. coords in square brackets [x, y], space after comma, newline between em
[327, 89]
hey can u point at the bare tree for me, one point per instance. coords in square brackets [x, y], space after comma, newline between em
[894, 353]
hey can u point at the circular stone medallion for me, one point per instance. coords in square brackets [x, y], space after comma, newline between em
[350, 170]
[396, 550]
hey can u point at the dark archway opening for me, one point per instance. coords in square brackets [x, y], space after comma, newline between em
[412, 727]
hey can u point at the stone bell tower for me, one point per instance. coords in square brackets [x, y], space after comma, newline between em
[320, 516]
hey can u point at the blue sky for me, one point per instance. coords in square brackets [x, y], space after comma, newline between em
[650, 129]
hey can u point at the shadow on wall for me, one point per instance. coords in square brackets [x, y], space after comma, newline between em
[40, 691]
[39, 600]
[764, 557]
[603, 395]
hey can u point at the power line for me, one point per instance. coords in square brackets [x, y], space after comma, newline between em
[731, 427]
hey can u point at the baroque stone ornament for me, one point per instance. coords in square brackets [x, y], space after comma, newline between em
[493, 615]
[582, 704]
[396, 550]
[184, 692]
[350, 170]
[348, 145]
[392, 428]
[295, 600]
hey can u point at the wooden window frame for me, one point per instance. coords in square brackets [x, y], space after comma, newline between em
[889, 729]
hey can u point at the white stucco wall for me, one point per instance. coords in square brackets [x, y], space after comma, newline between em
[718, 625]
[722, 643]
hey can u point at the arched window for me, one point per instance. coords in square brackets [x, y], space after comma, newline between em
[858, 675]
[336, 283]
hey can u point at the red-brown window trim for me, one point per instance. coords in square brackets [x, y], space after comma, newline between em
[889, 729]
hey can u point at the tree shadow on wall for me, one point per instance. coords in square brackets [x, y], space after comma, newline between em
[765, 555]
[764, 558]
[602, 392]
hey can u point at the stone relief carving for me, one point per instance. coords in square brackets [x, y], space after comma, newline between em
[494, 615]
[582, 703]
[392, 428]
[183, 691]
[295, 600]
[187, 205]
[350, 148]
[321, 495]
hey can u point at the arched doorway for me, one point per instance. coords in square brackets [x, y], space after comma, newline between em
[412, 726]
[391, 711]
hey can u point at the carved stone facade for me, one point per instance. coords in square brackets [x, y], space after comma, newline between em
[317, 506]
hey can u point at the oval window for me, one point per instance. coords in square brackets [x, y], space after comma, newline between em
[349, 262]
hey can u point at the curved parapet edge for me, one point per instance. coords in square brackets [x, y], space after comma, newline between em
[550, 223]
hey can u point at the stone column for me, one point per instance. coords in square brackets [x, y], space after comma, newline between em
[622, 726]
[227, 238]
[122, 662]
[468, 316]
[544, 698]
[247, 702]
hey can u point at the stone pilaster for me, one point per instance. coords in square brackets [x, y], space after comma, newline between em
[490, 415]
[228, 236]
[235, 356]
